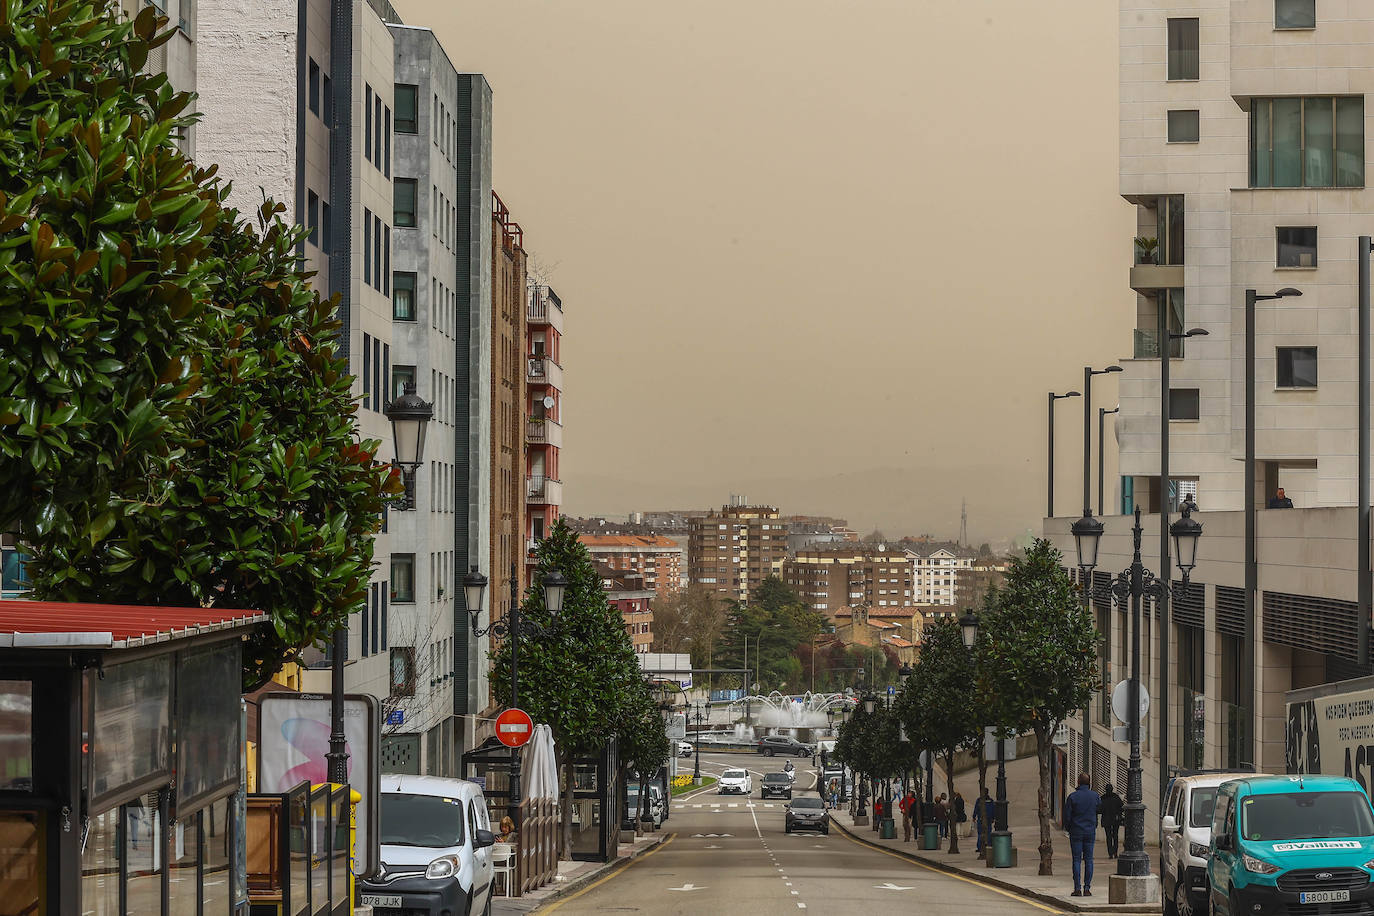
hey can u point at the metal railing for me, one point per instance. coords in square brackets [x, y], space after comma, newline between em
[538, 487]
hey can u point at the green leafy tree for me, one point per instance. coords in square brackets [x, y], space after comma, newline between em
[775, 624]
[581, 678]
[186, 416]
[938, 702]
[1038, 666]
[641, 741]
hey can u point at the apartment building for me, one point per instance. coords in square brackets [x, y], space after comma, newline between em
[1243, 149]
[732, 551]
[940, 575]
[854, 575]
[508, 403]
[381, 149]
[630, 595]
[658, 559]
[544, 412]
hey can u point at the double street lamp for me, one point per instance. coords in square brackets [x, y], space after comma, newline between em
[968, 628]
[474, 588]
[1133, 584]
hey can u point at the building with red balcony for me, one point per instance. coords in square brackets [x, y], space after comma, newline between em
[543, 411]
[629, 594]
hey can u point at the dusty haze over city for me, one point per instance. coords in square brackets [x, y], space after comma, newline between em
[827, 254]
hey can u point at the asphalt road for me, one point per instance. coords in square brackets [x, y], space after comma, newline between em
[728, 854]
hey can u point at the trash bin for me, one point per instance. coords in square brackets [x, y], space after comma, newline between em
[930, 836]
[1001, 850]
[888, 831]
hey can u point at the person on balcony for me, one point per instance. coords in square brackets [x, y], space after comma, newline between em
[1279, 501]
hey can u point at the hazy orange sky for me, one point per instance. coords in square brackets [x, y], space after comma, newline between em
[830, 255]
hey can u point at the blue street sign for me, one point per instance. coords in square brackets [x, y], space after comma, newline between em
[396, 717]
[891, 690]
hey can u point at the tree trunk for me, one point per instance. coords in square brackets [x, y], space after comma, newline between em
[565, 837]
[949, 781]
[1043, 748]
[984, 824]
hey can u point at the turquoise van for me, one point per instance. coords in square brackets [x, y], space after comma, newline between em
[1291, 845]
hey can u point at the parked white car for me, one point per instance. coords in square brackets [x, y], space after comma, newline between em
[436, 848]
[685, 748]
[1185, 839]
[735, 782]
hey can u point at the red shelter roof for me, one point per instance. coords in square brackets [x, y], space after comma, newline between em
[60, 624]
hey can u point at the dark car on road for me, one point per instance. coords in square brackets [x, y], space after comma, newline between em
[770, 745]
[807, 813]
[776, 785]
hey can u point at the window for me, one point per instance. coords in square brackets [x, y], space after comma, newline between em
[376, 251]
[367, 371]
[312, 220]
[328, 102]
[386, 139]
[401, 376]
[1296, 246]
[386, 261]
[403, 295]
[1183, 49]
[405, 203]
[1183, 126]
[326, 227]
[377, 136]
[1295, 14]
[1184, 404]
[402, 578]
[1297, 367]
[407, 109]
[403, 672]
[314, 87]
[367, 247]
[367, 117]
[1307, 142]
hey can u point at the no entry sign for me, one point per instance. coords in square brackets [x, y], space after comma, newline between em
[514, 727]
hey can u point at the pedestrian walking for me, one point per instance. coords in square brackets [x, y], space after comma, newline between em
[834, 793]
[982, 817]
[960, 813]
[908, 805]
[1111, 818]
[1080, 816]
[942, 815]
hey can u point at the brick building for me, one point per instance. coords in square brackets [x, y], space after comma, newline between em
[508, 407]
[832, 577]
[658, 559]
[732, 551]
[543, 413]
[629, 594]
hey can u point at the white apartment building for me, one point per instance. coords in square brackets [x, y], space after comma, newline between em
[1243, 147]
[936, 575]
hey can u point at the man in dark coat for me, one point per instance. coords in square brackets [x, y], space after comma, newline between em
[1111, 818]
[1080, 817]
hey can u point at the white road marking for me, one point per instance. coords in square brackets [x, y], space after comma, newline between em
[800, 905]
[687, 887]
[889, 886]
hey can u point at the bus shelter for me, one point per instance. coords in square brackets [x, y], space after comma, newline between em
[120, 758]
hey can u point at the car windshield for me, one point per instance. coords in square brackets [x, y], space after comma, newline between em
[776, 777]
[807, 802]
[733, 774]
[1305, 816]
[1200, 808]
[421, 820]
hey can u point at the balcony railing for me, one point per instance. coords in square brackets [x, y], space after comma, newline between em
[1147, 345]
[544, 490]
[544, 431]
[544, 308]
[544, 371]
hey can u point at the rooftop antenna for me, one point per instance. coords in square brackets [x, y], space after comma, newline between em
[963, 523]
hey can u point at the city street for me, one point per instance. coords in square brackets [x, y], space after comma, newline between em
[728, 854]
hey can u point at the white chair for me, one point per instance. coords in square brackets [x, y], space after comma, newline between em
[503, 863]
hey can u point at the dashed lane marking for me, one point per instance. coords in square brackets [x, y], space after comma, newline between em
[615, 873]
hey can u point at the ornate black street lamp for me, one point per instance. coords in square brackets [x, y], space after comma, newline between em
[474, 585]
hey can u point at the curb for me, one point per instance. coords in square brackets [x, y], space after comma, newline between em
[1001, 883]
[576, 884]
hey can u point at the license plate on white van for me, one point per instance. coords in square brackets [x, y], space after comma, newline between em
[395, 899]
[1324, 897]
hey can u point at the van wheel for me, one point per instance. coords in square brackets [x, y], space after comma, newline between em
[1183, 904]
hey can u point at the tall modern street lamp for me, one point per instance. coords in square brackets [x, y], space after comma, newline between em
[474, 584]
[1247, 661]
[1101, 453]
[1133, 584]
[409, 416]
[1088, 373]
[1050, 487]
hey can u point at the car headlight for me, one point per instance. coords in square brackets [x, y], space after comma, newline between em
[1199, 850]
[1369, 864]
[1258, 866]
[443, 867]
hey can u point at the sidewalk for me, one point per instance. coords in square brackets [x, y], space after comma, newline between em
[573, 876]
[1022, 785]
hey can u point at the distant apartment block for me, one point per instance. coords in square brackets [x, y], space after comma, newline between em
[631, 596]
[543, 412]
[732, 551]
[939, 574]
[854, 575]
[658, 559]
[509, 485]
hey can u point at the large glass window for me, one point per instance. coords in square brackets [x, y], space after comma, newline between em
[405, 203]
[1297, 367]
[208, 685]
[100, 866]
[21, 874]
[1184, 126]
[1313, 142]
[1184, 404]
[1296, 246]
[403, 295]
[403, 578]
[407, 109]
[400, 377]
[1295, 14]
[1183, 49]
[16, 735]
[184, 857]
[214, 831]
[143, 854]
[131, 712]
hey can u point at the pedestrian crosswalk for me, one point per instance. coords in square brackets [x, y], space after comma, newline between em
[718, 805]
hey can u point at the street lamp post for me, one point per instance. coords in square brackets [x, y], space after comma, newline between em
[409, 416]
[1088, 373]
[697, 713]
[1133, 584]
[474, 584]
[1050, 486]
[1247, 661]
[1101, 452]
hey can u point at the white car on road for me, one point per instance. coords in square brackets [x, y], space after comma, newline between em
[685, 748]
[735, 782]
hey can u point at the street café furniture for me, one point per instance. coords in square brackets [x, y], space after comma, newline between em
[120, 757]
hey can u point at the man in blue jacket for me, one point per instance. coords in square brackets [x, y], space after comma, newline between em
[1080, 817]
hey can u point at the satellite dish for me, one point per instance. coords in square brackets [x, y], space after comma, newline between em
[548, 402]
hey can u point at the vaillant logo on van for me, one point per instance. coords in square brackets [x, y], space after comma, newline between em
[1316, 844]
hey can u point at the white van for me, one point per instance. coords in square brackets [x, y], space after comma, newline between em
[1185, 838]
[436, 849]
